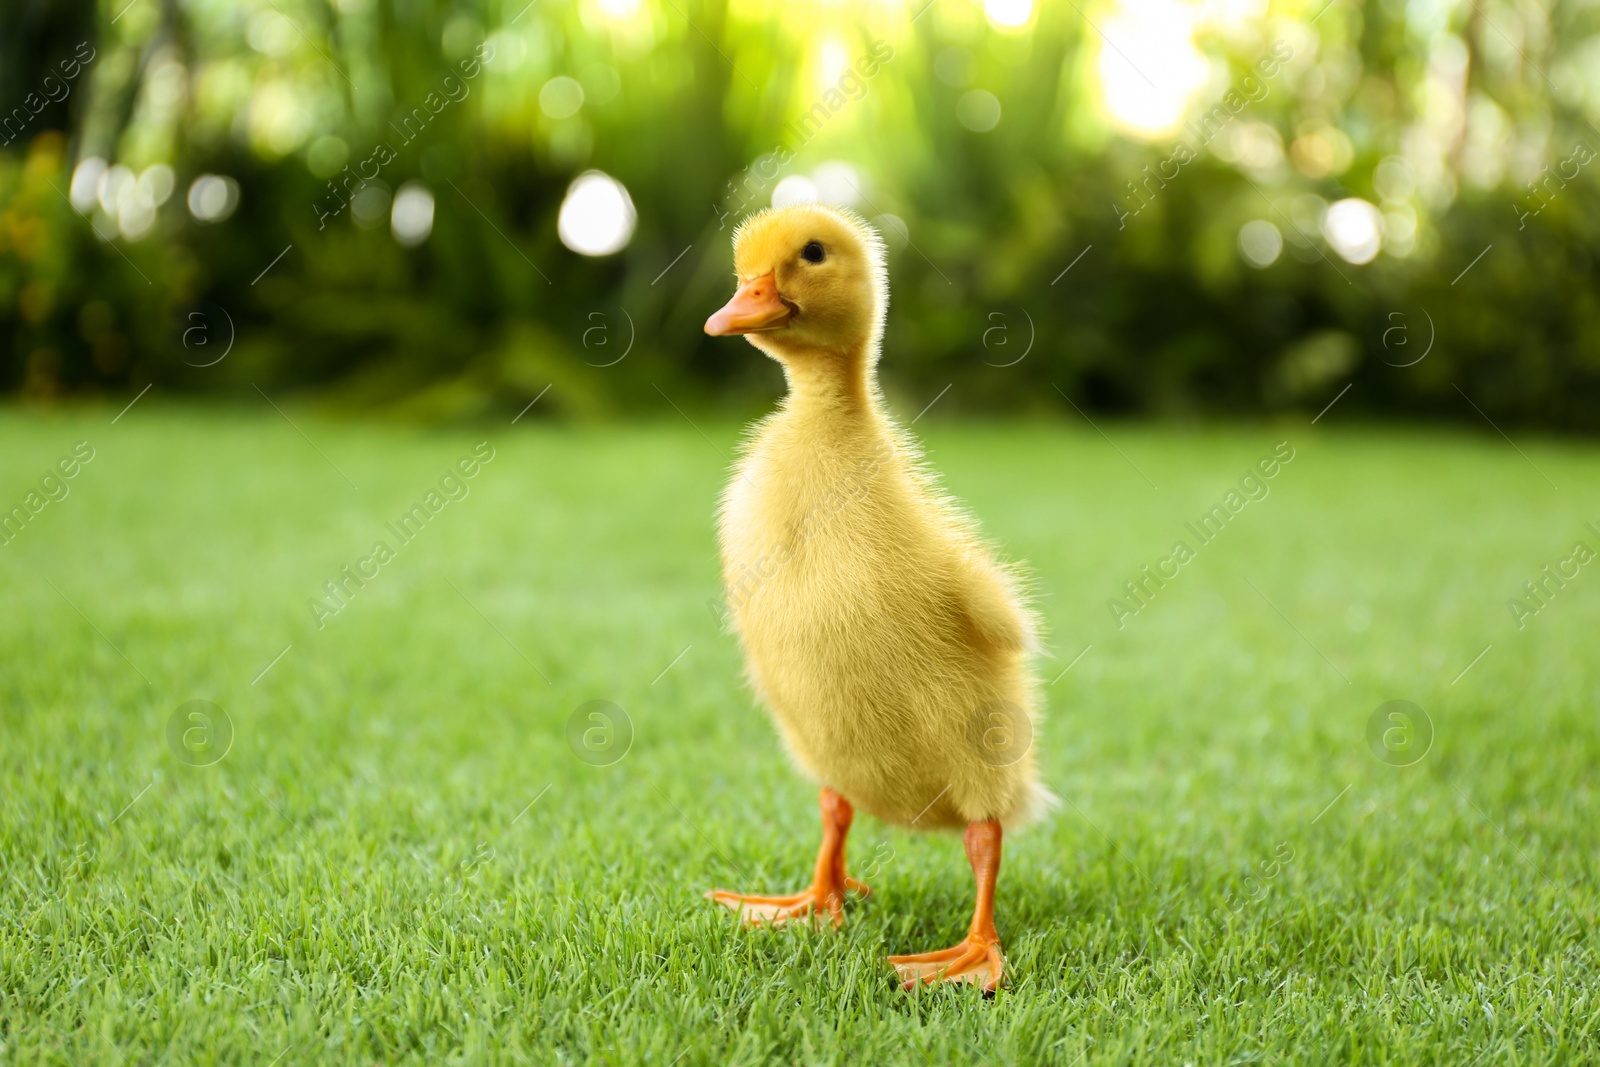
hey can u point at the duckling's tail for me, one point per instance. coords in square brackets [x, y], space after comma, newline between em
[1036, 804]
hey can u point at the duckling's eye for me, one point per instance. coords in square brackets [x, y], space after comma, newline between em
[812, 252]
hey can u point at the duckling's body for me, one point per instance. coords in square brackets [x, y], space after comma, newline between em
[878, 627]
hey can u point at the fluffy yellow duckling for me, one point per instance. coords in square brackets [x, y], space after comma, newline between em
[890, 645]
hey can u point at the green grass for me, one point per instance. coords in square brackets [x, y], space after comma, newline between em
[362, 878]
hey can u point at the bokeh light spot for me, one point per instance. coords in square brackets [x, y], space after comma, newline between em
[411, 219]
[795, 189]
[837, 183]
[1394, 179]
[369, 206]
[1008, 14]
[978, 111]
[327, 155]
[156, 182]
[86, 183]
[271, 33]
[1355, 230]
[213, 197]
[561, 97]
[1149, 67]
[1260, 243]
[597, 217]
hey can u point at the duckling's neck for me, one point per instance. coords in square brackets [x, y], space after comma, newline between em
[831, 381]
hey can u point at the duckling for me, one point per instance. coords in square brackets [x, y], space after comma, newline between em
[890, 645]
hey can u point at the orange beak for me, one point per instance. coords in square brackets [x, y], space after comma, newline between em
[755, 306]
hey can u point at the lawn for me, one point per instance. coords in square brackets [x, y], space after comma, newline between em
[399, 857]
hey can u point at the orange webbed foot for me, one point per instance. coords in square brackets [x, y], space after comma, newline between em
[810, 904]
[976, 961]
[829, 883]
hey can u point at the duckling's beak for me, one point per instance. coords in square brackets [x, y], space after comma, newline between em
[756, 306]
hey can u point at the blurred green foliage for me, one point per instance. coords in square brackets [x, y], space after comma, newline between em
[996, 156]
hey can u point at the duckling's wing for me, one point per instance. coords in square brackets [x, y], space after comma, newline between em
[990, 607]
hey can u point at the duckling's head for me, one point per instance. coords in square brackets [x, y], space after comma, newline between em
[811, 280]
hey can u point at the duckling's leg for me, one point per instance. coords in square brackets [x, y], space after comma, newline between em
[977, 958]
[828, 882]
